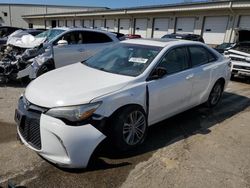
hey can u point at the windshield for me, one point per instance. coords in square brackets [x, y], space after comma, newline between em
[125, 59]
[50, 34]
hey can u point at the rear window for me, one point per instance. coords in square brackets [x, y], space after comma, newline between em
[200, 55]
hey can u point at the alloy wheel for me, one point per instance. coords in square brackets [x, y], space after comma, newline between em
[134, 128]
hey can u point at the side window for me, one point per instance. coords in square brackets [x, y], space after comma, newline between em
[175, 61]
[95, 37]
[200, 55]
[72, 38]
[211, 57]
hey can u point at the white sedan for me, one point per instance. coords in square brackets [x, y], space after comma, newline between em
[66, 113]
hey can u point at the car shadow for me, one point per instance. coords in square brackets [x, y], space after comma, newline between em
[15, 84]
[198, 120]
[245, 80]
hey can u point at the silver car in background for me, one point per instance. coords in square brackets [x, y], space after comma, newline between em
[54, 48]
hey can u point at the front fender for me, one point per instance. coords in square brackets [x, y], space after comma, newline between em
[129, 95]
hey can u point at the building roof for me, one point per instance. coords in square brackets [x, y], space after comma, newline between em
[50, 5]
[177, 7]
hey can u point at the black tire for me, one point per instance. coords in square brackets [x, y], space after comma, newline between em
[215, 94]
[121, 128]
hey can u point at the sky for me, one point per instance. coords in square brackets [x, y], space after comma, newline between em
[100, 3]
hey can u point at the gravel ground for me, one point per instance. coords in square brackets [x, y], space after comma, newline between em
[198, 148]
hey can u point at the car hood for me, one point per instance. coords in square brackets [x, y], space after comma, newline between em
[23, 39]
[73, 85]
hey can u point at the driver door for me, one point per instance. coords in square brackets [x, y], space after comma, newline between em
[171, 93]
[69, 53]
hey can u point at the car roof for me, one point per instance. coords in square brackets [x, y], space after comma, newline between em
[82, 29]
[182, 34]
[159, 42]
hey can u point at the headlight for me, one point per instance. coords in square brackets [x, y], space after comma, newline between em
[74, 113]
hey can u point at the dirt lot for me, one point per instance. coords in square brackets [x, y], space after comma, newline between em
[198, 148]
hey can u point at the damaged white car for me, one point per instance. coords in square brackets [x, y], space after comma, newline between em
[53, 49]
[240, 54]
[125, 89]
[20, 50]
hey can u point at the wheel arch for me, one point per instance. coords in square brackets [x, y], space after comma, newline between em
[118, 110]
[222, 80]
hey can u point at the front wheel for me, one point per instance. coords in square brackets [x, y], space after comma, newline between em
[129, 128]
[215, 95]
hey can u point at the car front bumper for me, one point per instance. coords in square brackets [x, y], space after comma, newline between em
[67, 146]
[240, 68]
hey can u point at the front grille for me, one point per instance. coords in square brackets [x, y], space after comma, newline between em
[29, 126]
[238, 59]
[241, 67]
[30, 131]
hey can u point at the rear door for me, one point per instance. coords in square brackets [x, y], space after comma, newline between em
[204, 67]
[70, 53]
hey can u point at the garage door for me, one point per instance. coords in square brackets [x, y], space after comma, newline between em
[185, 25]
[215, 29]
[98, 24]
[160, 27]
[244, 22]
[141, 27]
[61, 23]
[87, 23]
[124, 26]
[78, 23]
[69, 23]
[110, 25]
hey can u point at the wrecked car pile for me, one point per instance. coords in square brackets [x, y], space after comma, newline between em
[240, 54]
[26, 56]
[17, 56]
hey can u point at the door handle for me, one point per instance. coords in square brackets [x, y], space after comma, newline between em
[190, 76]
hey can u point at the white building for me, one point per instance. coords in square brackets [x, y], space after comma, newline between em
[11, 14]
[214, 20]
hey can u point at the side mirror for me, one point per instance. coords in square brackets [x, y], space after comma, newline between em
[157, 73]
[62, 42]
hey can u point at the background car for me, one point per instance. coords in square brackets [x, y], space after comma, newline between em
[239, 54]
[221, 48]
[54, 48]
[192, 37]
[132, 36]
[65, 114]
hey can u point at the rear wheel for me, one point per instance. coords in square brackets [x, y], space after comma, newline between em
[129, 128]
[215, 95]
